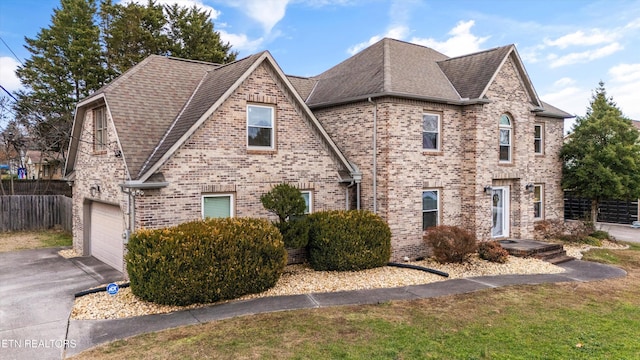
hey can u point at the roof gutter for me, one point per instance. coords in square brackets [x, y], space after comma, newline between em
[143, 185]
[367, 97]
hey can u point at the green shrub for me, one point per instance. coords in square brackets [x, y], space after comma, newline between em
[295, 232]
[580, 239]
[593, 241]
[287, 203]
[205, 261]
[600, 234]
[348, 240]
[492, 251]
[451, 244]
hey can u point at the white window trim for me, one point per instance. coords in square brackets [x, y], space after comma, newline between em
[273, 128]
[510, 128]
[437, 191]
[541, 186]
[439, 132]
[310, 192]
[232, 208]
[541, 126]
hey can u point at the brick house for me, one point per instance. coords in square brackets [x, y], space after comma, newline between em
[399, 129]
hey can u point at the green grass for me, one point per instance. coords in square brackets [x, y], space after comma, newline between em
[576, 320]
[55, 238]
[24, 240]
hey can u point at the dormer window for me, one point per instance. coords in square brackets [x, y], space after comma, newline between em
[260, 127]
[506, 127]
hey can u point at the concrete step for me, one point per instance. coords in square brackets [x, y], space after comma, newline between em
[549, 254]
[560, 259]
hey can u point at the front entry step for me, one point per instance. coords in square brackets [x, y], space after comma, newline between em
[553, 253]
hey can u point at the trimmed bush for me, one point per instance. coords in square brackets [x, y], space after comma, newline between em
[205, 261]
[492, 251]
[348, 240]
[286, 202]
[451, 244]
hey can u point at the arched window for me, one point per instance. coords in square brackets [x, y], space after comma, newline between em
[505, 138]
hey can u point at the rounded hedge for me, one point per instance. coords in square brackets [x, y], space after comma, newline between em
[205, 261]
[348, 240]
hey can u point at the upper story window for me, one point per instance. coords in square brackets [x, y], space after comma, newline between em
[538, 139]
[506, 127]
[100, 129]
[260, 127]
[431, 132]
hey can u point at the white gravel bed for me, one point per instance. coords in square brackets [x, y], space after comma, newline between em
[576, 250]
[300, 279]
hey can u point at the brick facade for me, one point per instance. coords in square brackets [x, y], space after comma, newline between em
[468, 160]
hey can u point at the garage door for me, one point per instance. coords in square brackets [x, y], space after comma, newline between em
[106, 234]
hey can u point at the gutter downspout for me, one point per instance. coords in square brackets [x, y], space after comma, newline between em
[375, 157]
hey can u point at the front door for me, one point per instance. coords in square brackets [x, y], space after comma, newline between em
[500, 211]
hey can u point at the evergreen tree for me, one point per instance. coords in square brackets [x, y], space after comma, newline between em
[132, 32]
[601, 159]
[66, 65]
[192, 36]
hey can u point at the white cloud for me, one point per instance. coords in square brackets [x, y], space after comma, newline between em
[184, 3]
[580, 38]
[8, 78]
[625, 88]
[398, 32]
[266, 12]
[564, 82]
[585, 56]
[240, 42]
[461, 42]
[625, 72]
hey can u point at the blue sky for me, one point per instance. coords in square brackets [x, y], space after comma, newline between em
[567, 46]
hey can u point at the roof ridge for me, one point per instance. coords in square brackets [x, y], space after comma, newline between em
[478, 52]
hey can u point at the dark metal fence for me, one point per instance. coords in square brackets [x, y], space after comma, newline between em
[35, 212]
[611, 211]
[35, 187]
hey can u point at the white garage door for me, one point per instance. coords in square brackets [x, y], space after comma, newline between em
[106, 234]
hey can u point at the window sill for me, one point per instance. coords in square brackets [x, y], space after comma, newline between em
[432, 152]
[100, 152]
[506, 164]
[257, 151]
[539, 154]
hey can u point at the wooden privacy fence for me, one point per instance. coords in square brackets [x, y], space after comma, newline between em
[35, 212]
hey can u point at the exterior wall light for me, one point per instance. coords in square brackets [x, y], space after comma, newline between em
[529, 187]
[487, 189]
[94, 189]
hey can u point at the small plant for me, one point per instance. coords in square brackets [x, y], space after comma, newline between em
[600, 234]
[287, 203]
[451, 244]
[492, 251]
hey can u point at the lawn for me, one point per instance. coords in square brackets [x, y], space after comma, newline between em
[22, 240]
[594, 320]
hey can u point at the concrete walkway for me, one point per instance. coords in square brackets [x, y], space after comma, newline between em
[88, 333]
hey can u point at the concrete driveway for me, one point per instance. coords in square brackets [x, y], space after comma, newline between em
[37, 290]
[620, 232]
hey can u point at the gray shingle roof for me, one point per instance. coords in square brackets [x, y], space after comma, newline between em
[146, 100]
[213, 85]
[471, 74]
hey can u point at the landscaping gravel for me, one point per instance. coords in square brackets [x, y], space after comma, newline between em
[300, 279]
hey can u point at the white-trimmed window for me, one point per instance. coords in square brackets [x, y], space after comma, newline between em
[538, 202]
[100, 129]
[431, 132]
[506, 127]
[430, 208]
[538, 139]
[260, 127]
[217, 206]
[308, 200]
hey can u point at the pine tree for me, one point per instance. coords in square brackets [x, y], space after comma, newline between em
[601, 158]
[192, 36]
[66, 64]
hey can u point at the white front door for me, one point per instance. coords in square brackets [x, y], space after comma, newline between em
[500, 211]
